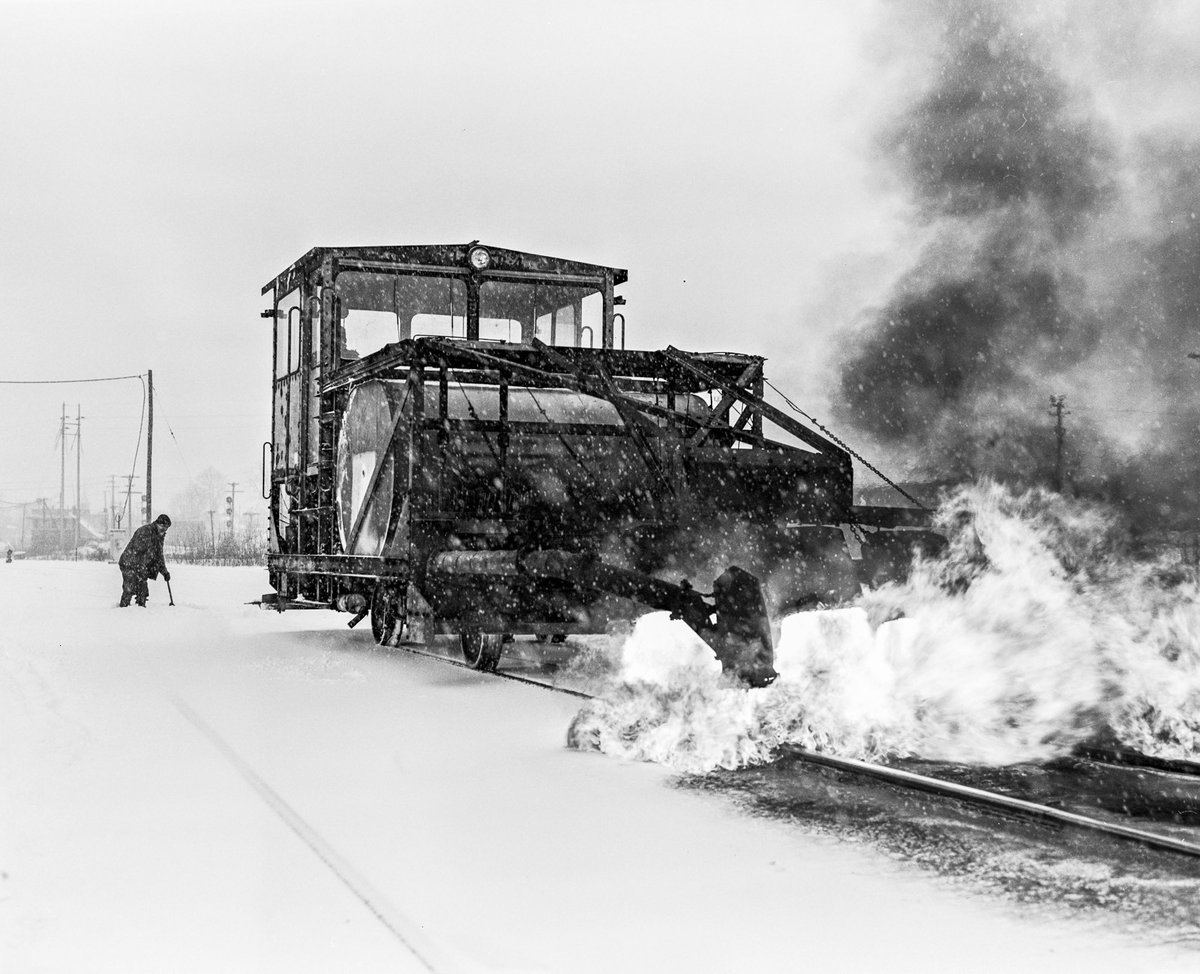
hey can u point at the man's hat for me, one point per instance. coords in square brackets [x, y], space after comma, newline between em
[163, 520]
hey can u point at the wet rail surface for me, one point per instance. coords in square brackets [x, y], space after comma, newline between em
[1164, 802]
[1052, 867]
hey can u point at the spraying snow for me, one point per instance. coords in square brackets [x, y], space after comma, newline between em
[1034, 632]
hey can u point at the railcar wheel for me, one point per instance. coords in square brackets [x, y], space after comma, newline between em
[481, 650]
[387, 621]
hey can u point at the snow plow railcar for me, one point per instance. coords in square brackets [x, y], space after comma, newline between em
[461, 444]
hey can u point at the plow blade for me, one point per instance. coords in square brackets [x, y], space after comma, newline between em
[741, 637]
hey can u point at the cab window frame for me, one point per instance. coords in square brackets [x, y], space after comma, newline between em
[585, 315]
[338, 344]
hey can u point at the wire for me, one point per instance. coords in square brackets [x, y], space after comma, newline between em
[845, 446]
[186, 465]
[136, 449]
[56, 382]
[105, 378]
[1140, 412]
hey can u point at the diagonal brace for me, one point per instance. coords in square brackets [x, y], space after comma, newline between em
[728, 398]
[776, 416]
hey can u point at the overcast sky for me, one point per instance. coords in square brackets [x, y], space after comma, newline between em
[161, 161]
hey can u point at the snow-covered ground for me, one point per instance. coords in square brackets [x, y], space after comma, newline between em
[211, 787]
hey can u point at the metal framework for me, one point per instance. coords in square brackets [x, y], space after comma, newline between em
[482, 511]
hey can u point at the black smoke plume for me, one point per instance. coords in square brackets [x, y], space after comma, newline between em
[1060, 257]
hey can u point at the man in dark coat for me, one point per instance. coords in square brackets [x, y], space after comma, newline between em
[143, 559]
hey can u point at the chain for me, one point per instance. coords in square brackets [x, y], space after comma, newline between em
[830, 435]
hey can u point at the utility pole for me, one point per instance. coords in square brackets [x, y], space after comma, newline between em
[62, 481]
[62, 478]
[149, 441]
[78, 455]
[1056, 410]
[212, 530]
[129, 479]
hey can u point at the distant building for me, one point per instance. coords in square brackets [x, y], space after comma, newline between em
[51, 532]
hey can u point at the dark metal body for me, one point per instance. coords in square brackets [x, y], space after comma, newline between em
[523, 487]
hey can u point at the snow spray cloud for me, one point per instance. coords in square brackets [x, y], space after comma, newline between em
[1059, 257]
[1032, 633]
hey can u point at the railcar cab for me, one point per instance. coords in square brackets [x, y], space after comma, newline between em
[337, 307]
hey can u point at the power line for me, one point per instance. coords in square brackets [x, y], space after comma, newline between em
[55, 382]
[136, 448]
[1140, 412]
[186, 465]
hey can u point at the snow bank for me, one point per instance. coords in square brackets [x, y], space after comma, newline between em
[211, 787]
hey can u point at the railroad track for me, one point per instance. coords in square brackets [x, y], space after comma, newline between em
[501, 674]
[1006, 800]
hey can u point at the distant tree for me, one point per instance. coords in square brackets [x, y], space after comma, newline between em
[202, 495]
[196, 545]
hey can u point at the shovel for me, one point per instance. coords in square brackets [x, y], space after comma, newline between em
[170, 597]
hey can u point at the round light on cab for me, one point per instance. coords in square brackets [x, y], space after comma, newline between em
[479, 258]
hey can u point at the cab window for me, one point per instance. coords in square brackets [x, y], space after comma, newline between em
[378, 309]
[558, 314]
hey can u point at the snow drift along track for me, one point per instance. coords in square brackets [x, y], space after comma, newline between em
[401, 927]
[979, 797]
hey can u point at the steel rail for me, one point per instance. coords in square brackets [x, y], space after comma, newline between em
[1128, 757]
[993, 800]
[916, 782]
[504, 676]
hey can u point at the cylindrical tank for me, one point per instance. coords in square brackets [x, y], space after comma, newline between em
[541, 463]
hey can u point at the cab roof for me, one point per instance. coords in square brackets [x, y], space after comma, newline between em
[433, 256]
